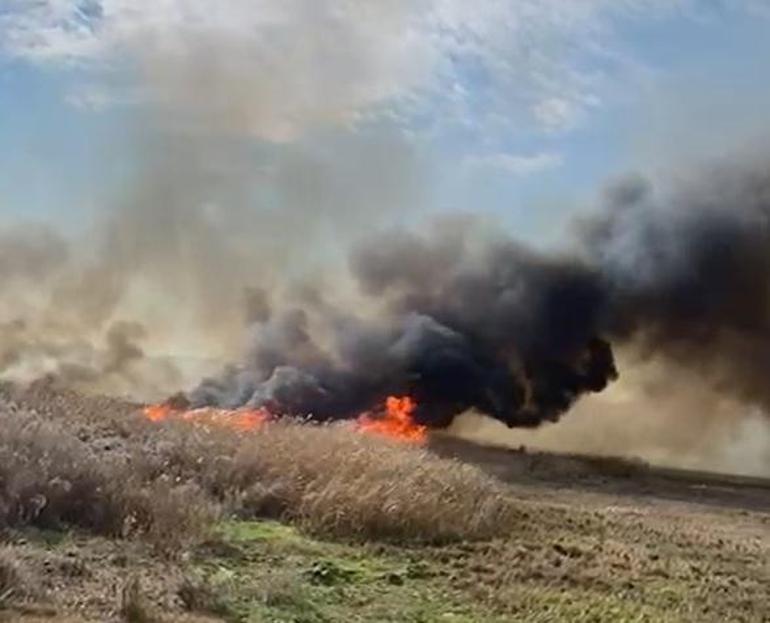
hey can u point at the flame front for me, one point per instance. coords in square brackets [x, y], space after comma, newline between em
[242, 420]
[397, 421]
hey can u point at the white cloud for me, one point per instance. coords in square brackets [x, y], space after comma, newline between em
[517, 164]
[556, 113]
[275, 68]
[270, 68]
[98, 98]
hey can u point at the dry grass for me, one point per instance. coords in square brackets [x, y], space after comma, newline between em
[133, 606]
[120, 475]
[556, 555]
[334, 481]
[13, 581]
[51, 479]
[48, 477]
[331, 480]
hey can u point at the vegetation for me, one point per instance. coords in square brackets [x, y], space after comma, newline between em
[106, 516]
[168, 482]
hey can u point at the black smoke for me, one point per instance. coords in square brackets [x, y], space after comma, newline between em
[520, 334]
[687, 274]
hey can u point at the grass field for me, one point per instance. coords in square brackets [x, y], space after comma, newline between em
[109, 517]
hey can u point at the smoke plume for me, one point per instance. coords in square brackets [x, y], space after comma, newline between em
[269, 138]
[485, 323]
[688, 274]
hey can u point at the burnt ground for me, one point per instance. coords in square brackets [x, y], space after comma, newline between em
[619, 482]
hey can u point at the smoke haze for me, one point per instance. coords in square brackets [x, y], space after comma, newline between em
[657, 412]
[264, 235]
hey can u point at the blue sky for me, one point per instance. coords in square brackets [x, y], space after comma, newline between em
[520, 110]
[51, 152]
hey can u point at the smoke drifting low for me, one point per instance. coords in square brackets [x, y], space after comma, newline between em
[463, 321]
[688, 274]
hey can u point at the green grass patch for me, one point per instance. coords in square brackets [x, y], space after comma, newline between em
[281, 575]
[249, 531]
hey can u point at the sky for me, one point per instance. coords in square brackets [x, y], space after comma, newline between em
[519, 109]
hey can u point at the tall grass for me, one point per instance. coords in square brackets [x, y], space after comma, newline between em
[121, 475]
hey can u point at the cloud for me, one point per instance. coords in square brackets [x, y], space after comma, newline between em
[98, 98]
[517, 164]
[278, 68]
[556, 113]
[760, 8]
[271, 69]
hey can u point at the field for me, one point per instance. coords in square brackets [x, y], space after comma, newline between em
[109, 517]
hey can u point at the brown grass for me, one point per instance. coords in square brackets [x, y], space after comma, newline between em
[13, 581]
[51, 479]
[120, 475]
[331, 480]
[579, 556]
[133, 605]
[48, 477]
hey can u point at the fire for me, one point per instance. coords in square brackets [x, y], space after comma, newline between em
[159, 412]
[242, 420]
[397, 422]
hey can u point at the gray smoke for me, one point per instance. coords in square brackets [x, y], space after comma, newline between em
[687, 273]
[499, 328]
[520, 334]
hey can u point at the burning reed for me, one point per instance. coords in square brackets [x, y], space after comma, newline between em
[118, 474]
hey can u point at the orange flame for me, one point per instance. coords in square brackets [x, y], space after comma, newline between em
[242, 420]
[397, 421]
[159, 412]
